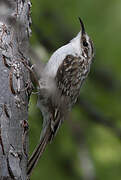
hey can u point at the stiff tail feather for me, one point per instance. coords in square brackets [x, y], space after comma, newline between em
[38, 151]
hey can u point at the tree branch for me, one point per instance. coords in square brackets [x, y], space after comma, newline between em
[15, 88]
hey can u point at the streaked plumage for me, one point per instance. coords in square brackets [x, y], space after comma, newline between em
[60, 86]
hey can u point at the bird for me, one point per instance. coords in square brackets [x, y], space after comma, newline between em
[59, 87]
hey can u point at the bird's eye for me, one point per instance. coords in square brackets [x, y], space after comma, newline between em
[85, 44]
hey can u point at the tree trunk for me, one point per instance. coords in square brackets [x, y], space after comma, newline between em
[15, 88]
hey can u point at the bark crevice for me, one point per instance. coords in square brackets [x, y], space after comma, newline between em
[14, 88]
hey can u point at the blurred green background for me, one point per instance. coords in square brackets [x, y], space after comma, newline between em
[88, 145]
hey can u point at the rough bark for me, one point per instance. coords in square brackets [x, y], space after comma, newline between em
[15, 88]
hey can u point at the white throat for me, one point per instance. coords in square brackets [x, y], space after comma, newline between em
[72, 48]
[75, 42]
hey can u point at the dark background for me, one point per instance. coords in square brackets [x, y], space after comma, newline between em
[88, 145]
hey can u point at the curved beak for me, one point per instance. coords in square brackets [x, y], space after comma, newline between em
[82, 26]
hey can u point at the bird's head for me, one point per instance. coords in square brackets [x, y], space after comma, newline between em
[85, 42]
[82, 43]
